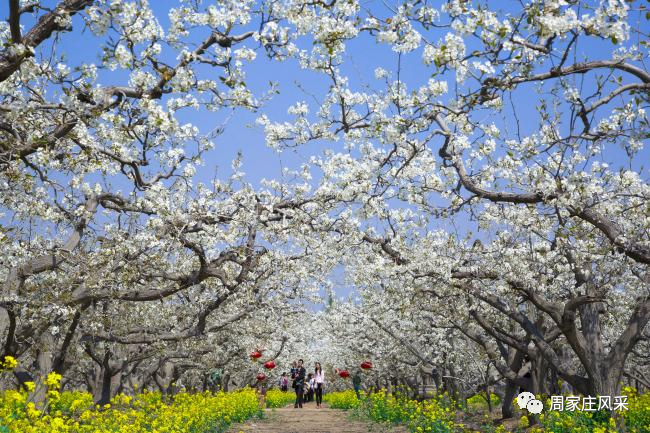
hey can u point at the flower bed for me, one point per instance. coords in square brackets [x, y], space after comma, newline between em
[276, 398]
[431, 416]
[75, 412]
[341, 400]
[441, 415]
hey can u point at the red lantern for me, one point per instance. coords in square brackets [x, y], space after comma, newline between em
[344, 373]
[269, 365]
[366, 365]
[261, 377]
[256, 354]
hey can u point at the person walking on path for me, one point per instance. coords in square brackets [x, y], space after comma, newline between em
[284, 382]
[298, 377]
[319, 382]
[356, 382]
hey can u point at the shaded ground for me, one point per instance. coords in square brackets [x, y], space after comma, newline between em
[310, 420]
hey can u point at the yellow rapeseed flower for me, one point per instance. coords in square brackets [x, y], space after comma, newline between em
[8, 363]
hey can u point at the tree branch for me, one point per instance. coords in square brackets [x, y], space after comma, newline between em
[14, 21]
[46, 25]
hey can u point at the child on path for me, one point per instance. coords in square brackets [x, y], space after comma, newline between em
[309, 388]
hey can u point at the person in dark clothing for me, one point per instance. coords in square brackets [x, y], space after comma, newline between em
[298, 376]
[356, 382]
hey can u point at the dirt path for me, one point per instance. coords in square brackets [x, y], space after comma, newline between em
[310, 420]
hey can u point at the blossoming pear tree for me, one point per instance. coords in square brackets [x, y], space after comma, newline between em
[482, 189]
[526, 123]
[114, 254]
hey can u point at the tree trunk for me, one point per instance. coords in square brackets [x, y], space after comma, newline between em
[106, 380]
[508, 395]
[488, 397]
[436, 379]
[225, 381]
[43, 364]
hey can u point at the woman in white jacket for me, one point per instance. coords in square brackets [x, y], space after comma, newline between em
[319, 382]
